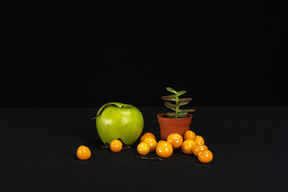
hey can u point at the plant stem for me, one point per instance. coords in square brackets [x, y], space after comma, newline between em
[177, 105]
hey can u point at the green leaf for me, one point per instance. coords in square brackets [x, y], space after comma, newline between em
[181, 92]
[182, 114]
[169, 98]
[170, 106]
[183, 103]
[186, 110]
[171, 115]
[185, 99]
[171, 90]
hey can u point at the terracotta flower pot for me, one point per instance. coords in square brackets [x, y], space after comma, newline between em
[172, 125]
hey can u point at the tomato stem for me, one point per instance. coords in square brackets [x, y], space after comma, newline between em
[149, 158]
[124, 147]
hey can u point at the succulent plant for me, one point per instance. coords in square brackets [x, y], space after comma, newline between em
[178, 113]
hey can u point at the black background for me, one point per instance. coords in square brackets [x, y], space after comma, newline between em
[39, 146]
[73, 55]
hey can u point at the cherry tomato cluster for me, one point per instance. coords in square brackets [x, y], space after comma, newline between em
[191, 144]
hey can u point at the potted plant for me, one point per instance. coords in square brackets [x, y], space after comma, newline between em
[178, 121]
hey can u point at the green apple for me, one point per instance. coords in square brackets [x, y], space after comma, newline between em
[118, 120]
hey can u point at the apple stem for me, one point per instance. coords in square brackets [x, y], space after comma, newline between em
[106, 106]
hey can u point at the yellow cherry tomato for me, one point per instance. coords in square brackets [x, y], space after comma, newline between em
[147, 135]
[151, 142]
[116, 145]
[175, 139]
[164, 149]
[187, 146]
[83, 152]
[205, 156]
[143, 148]
[197, 148]
[199, 140]
[189, 135]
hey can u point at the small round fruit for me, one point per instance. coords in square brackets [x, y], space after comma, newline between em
[152, 143]
[199, 140]
[147, 135]
[205, 156]
[197, 148]
[83, 152]
[189, 135]
[143, 148]
[164, 149]
[187, 146]
[175, 139]
[116, 145]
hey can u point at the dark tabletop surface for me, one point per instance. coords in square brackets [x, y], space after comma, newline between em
[38, 148]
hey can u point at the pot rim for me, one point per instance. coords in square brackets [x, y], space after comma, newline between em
[161, 115]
